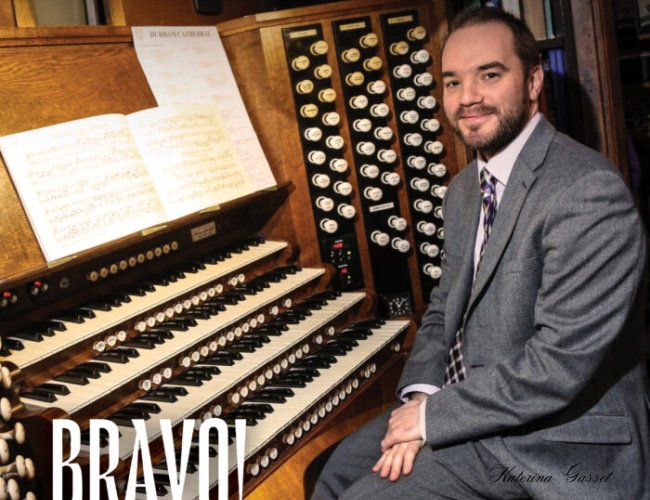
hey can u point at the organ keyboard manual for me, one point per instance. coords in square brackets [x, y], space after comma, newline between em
[182, 310]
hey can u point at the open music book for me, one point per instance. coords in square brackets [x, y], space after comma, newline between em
[86, 182]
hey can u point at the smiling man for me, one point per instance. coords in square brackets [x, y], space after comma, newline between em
[527, 377]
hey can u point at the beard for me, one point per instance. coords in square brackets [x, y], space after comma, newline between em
[510, 124]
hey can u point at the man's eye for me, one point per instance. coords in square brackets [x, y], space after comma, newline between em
[491, 75]
[450, 84]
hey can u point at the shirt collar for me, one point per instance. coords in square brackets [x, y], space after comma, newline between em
[501, 164]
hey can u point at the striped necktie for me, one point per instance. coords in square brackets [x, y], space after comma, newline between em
[455, 371]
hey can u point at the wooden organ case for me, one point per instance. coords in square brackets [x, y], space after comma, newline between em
[264, 310]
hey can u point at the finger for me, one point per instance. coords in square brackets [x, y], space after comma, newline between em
[396, 466]
[386, 466]
[409, 458]
[379, 463]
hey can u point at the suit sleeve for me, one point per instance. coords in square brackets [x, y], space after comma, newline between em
[593, 259]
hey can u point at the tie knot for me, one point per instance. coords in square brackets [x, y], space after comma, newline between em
[488, 183]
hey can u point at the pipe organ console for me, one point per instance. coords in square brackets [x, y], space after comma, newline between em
[269, 309]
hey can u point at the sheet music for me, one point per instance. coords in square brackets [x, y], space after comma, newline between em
[81, 183]
[189, 156]
[189, 65]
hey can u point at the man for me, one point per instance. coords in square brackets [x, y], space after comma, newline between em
[527, 378]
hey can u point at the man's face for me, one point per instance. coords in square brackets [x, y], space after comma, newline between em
[487, 97]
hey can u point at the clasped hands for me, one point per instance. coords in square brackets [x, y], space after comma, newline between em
[403, 440]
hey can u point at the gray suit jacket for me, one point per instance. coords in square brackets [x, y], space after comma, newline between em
[553, 327]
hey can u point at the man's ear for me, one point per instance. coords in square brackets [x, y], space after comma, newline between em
[535, 82]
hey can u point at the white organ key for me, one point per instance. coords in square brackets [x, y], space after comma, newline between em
[104, 320]
[232, 376]
[286, 415]
[81, 396]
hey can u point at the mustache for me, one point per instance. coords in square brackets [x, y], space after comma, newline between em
[477, 109]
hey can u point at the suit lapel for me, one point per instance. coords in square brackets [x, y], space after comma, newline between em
[521, 180]
[460, 290]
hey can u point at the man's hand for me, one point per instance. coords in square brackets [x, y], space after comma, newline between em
[403, 425]
[398, 460]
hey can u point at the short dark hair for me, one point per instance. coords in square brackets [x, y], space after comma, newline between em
[525, 44]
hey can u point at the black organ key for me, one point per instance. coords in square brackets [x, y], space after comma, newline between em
[225, 300]
[139, 291]
[13, 344]
[100, 306]
[197, 313]
[127, 351]
[291, 319]
[209, 309]
[120, 420]
[268, 398]
[315, 363]
[113, 357]
[347, 344]
[163, 397]
[332, 350]
[134, 413]
[221, 361]
[118, 298]
[234, 295]
[234, 354]
[187, 381]
[88, 311]
[245, 289]
[261, 407]
[191, 468]
[241, 347]
[197, 373]
[326, 295]
[72, 379]
[151, 337]
[148, 407]
[303, 308]
[247, 413]
[85, 371]
[103, 438]
[97, 365]
[39, 396]
[260, 283]
[177, 391]
[215, 259]
[84, 312]
[174, 325]
[58, 326]
[71, 317]
[323, 356]
[54, 388]
[160, 332]
[230, 421]
[368, 323]
[277, 324]
[269, 330]
[311, 371]
[140, 343]
[215, 305]
[31, 335]
[255, 240]
[259, 337]
[225, 353]
[212, 370]
[287, 383]
[187, 319]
